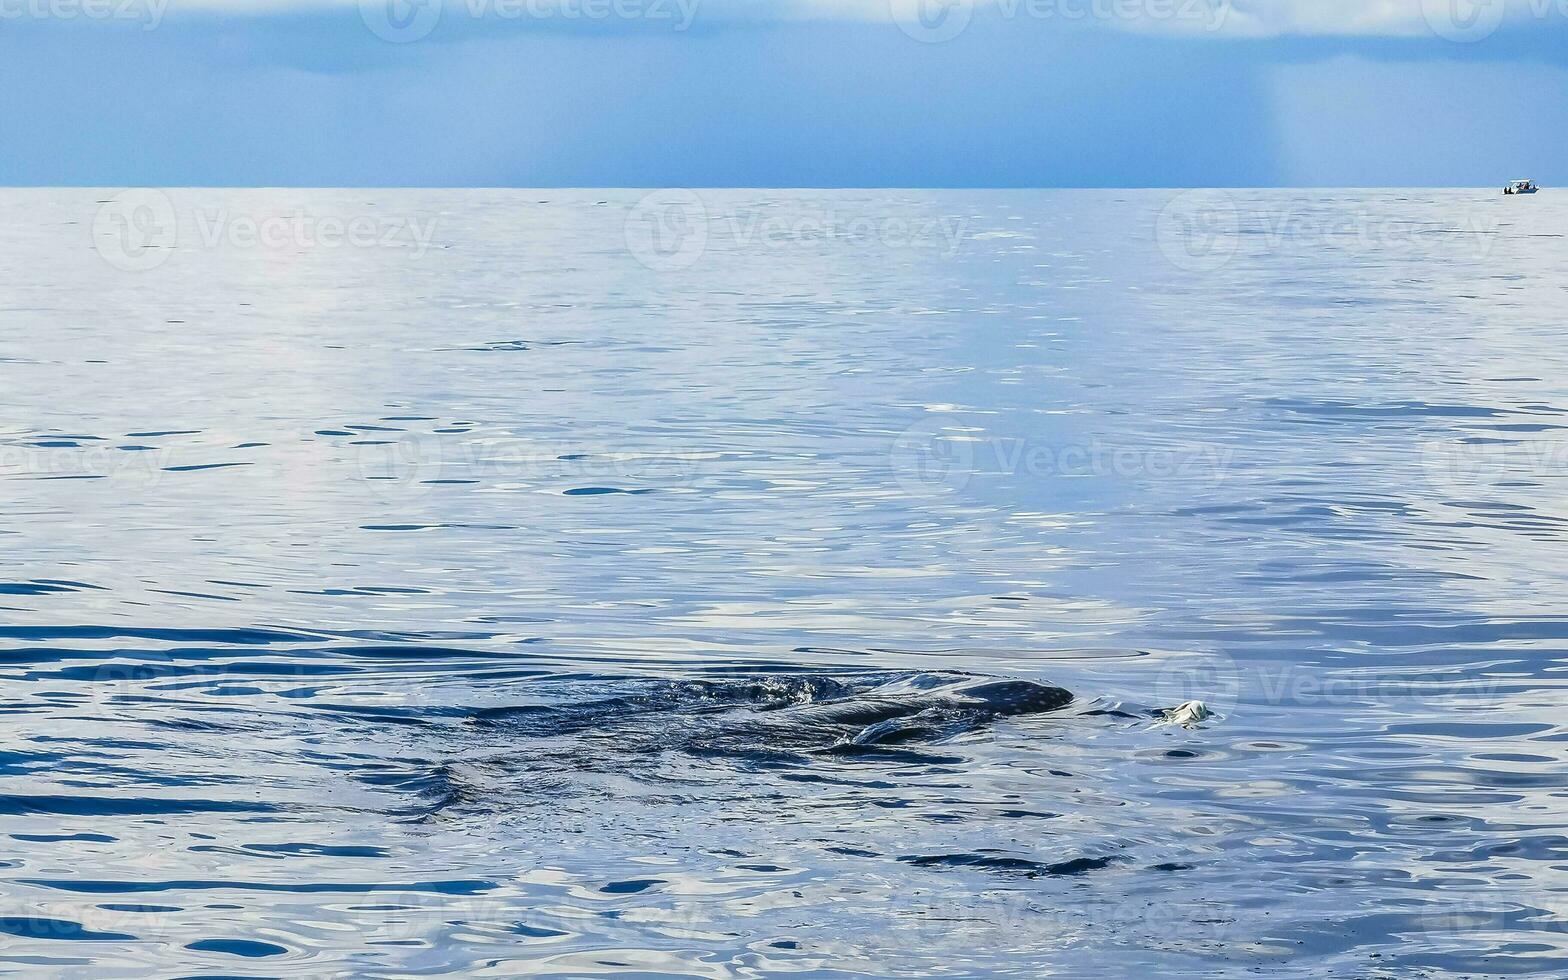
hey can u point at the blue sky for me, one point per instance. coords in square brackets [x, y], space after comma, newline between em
[791, 93]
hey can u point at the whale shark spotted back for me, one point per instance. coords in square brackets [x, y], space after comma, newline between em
[1015, 697]
[582, 742]
[785, 714]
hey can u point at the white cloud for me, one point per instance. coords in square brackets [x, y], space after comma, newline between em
[939, 20]
[1456, 20]
[1364, 17]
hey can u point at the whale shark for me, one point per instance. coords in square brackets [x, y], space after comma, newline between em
[914, 712]
[594, 735]
[792, 714]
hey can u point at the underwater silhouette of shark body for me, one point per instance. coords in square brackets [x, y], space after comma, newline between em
[790, 715]
[587, 743]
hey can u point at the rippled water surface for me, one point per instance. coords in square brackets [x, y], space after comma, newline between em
[544, 582]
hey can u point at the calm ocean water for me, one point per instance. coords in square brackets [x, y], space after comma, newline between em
[450, 583]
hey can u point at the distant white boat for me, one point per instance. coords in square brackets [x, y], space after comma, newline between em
[1520, 187]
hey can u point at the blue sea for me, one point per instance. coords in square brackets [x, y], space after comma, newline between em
[594, 582]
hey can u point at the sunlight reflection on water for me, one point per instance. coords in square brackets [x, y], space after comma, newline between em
[289, 509]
